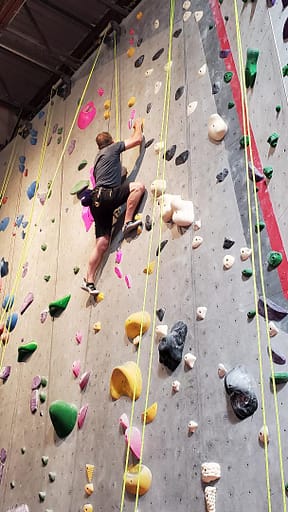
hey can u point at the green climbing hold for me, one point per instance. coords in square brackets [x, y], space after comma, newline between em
[47, 278]
[59, 139]
[259, 227]
[42, 397]
[76, 270]
[45, 460]
[251, 314]
[63, 417]
[58, 306]
[49, 188]
[231, 104]
[278, 108]
[228, 77]
[274, 259]
[221, 2]
[44, 382]
[44, 247]
[244, 141]
[251, 67]
[273, 140]
[42, 496]
[52, 476]
[286, 487]
[280, 377]
[79, 187]
[285, 70]
[268, 172]
[82, 165]
[24, 351]
[247, 272]
[60, 131]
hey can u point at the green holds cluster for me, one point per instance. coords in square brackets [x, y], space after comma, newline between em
[251, 67]
[268, 172]
[273, 139]
[228, 77]
[274, 259]
[58, 306]
[24, 351]
[247, 272]
[63, 416]
[244, 141]
[231, 104]
[260, 226]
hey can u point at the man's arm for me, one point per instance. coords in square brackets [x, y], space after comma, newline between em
[136, 138]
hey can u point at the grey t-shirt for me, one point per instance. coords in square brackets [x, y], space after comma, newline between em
[107, 169]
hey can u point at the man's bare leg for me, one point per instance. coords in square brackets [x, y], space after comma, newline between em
[101, 246]
[136, 192]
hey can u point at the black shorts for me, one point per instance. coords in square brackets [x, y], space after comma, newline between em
[104, 202]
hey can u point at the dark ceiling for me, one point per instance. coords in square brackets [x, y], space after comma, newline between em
[42, 42]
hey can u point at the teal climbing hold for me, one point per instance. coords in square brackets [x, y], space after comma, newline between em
[244, 141]
[228, 77]
[11, 322]
[231, 104]
[273, 139]
[278, 108]
[42, 397]
[63, 416]
[280, 377]
[285, 70]
[251, 314]
[251, 67]
[81, 185]
[260, 226]
[247, 272]
[58, 306]
[268, 172]
[24, 351]
[274, 259]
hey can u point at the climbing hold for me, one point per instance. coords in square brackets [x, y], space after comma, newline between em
[192, 426]
[133, 435]
[130, 52]
[149, 72]
[179, 92]
[97, 327]
[12, 484]
[131, 101]
[274, 311]
[278, 108]
[118, 256]
[273, 139]
[259, 227]
[128, 281]
[139, 61]
[158, 54]
[107, 105]
[268, 172]
[170, 153]
[156, 24]
[44, 381]
[79, 187]
[59, 139]
[150, 413]
[231, 104]
[32, 189]
[118, 272]
[63, 416]
[244, 141]
[247, 272]
[158, 187]
[273, 330]
[45, 460]
[245, 253]
[171, 346]
[76, 366]
[86, 115]
[186, 5]
[201, 313]
[25, 351]
[125, 381]
[42, 496]
[88, 507]
[228, 77]
[4, 337]
[89, 489]
[43, 315]
[251, 67]
[148, 223]
[124, 421]
[161, 331]
[82, 416]
[11, 322]
[191, 107]
[210, 471]
[157, 87]
[4, 223]
[196, 242]
[8, 302]
[42, 397]
[189, 360]
[158, 147]
[222, 175]
[23, 450]
[100, 297]
[150, 268]
[34, 401]
[4, 267]
[240, 387]
[5, 372]
[221, 371]
[274, 259]
[176, 386]
[277, 357]
[279, 377]
[43, 247]
[252, 170]
[198, 15]
[58, 306]
[82, 165]
[224, 53]
[182, 158]
[217, 128]
[71, 146]
[139, 15]
[186, 15]
[160, 313]
[84, 379]
[177, 33]
[27, 302]
[210, 498]
[228, 243]
[137, 323]
[89, 472]
[52, 476]
[263, 435]
[150, 141]
[138, 478]
[36, 382]
[228, 261]
[216, 86]
[161, 247]
[285, 30]
[202, 70]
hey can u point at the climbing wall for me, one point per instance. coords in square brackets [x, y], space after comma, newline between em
[47, 248]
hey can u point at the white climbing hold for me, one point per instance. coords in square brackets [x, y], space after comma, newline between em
[210, 498]
[157, 87]
[167, 210]
[183, 212]
[158, 187]
[202, 70]
[217, 128]
[186, 15]
[189, 359]
[245, 253]
[201, 312]
[149, 72]
[186, 5]
[136, 341]
[191, 107]
[161, 331]
[197, 224]
[175, 386]
[221, 371]
[198, 15]
[228, 261]
[210, 471]
[159, 146]
[196, 242]
[273, 330]
[263, 433]
[168, 65]
[192, 426]
[156, 24]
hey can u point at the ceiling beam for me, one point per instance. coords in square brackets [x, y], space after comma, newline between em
[114, 7]
[65, 13]
[9, 106]
[30, 59]
[9, 10]
[37, 28]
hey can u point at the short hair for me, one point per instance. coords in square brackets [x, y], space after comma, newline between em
[104, 139]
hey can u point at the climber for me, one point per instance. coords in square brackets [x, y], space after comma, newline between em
[109, 194]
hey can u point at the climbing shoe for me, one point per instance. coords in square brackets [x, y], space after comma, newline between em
[131, 226]
[89, 287]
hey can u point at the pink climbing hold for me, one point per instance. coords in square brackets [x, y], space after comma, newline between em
[118, 272]
[128, 281]
[87, 217]
[131, 31]
[71, 146]
[36, 382]
[130, 124]
[118, 256]
[100, 91]
[78, 337]
[92, 179]
[124, 421]
[34, 401]
[133, 113]
[135, 440]
[43, 315]
[82, 415]
[131, 40]
[42, 198]
[76, 368]
[86, 115]
[84, 379]
[27, 301]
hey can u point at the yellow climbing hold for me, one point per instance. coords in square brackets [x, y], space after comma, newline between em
[139, 15]
[133, 324]
[89, 489]
[131, 51]
[99, 297]
[150, 413]
[138, 216]
[89, 472]
[107, 114]
[138, 473]
[150, 269]
[88, 508]
[97, 327]
[125, 380]
[131, 101]
[107, 104]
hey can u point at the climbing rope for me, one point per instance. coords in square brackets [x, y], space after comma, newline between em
[163, 137]
[247, 131]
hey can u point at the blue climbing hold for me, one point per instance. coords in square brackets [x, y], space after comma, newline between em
[25, 224]
[33, 133]
[41, 114]
[21, 167]
[31, 190]
[8, 302]
[4, 267]
[22, 159]
[4, 223]
[33, 141]
[11, 322]
[19, 220]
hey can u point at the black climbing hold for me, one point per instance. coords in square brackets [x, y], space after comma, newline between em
[224, 53]
[177, 32]
[240, 387]
[274, 311]
[158, 54]
[226, 18]
[139, 61]
[222, 175]
[216, 87]
[277, 357]
[148, 108]
[285, 30]
[148, 223]
[160, 313]
[170, 153]
[140, 41]
[179, 92]
[228, 243]
[285, 3]
[148, 143]
[258, 175]
[171, 346]
[4, 267]
[86, 197]
[161, 246]
[182, 158]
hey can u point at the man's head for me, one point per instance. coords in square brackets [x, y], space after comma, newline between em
[104, 139]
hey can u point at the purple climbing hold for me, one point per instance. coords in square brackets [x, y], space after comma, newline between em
[158, 54]
[285, 29]
[224, 53]
[258, 175]
[36, 382]
[27, 301]
[71, 146]
[182, 158]
[274, 311]
[5, 372]
[139, 61]
[270, 3]
[285, 3]
[277, 357]
[34, 401]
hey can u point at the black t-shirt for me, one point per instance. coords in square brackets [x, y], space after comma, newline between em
[107, 168]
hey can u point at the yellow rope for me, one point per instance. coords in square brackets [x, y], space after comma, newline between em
[246, 130]
[116, 79]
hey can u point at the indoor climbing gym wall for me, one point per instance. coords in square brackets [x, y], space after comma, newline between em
[166, 391]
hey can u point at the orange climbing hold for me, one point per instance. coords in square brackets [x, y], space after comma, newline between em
[130, 52]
